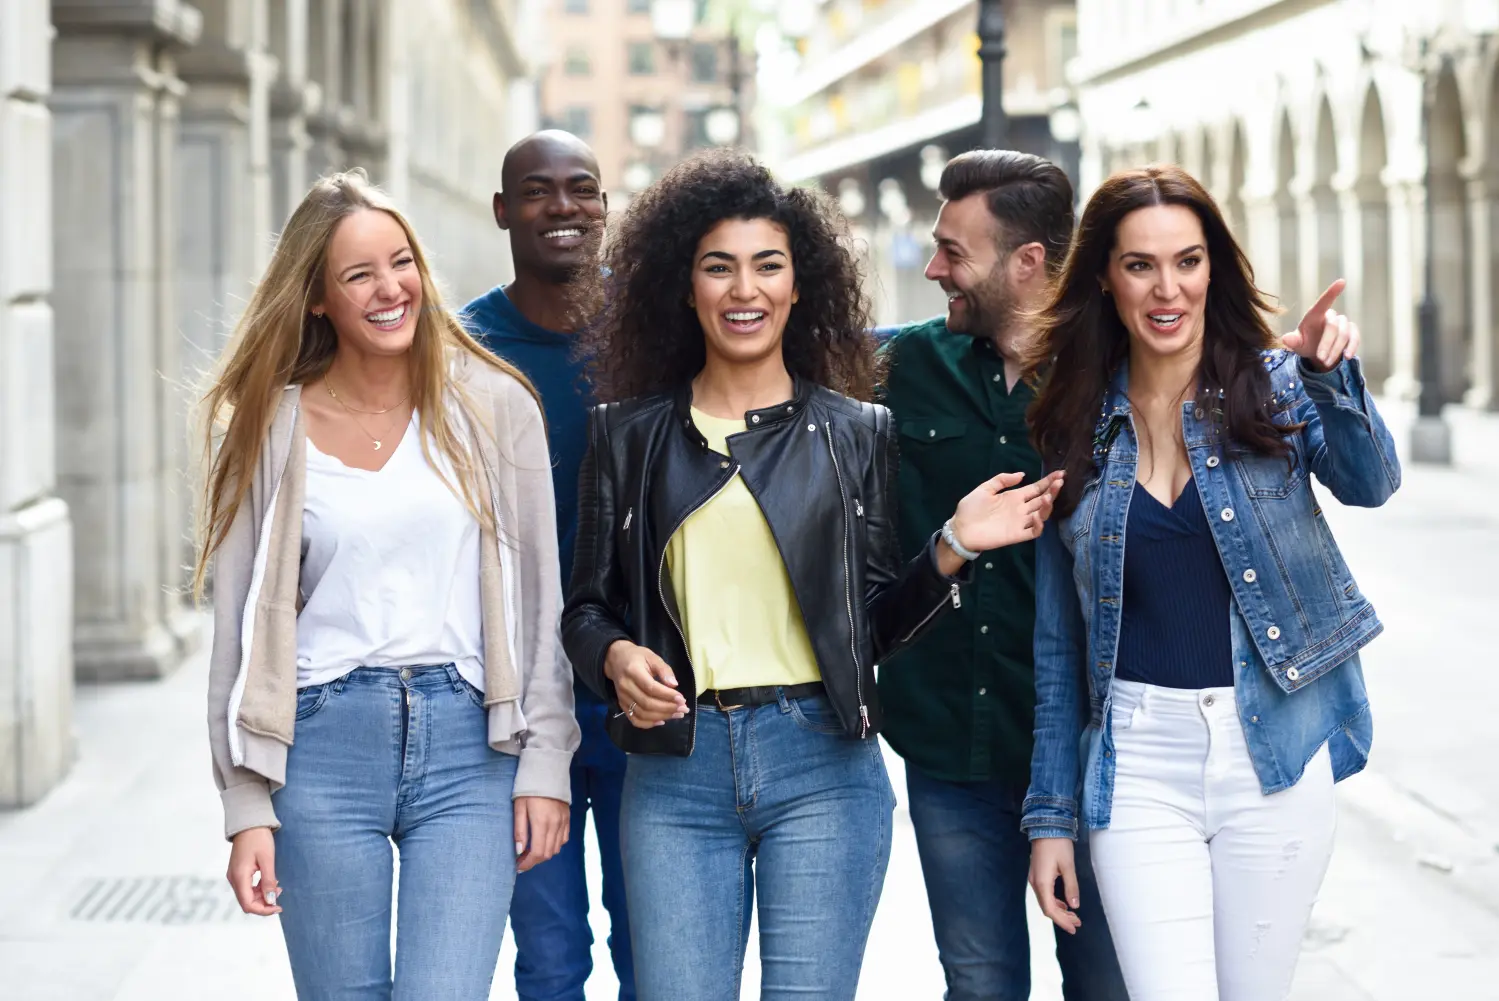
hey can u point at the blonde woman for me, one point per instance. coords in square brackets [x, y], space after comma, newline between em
[385, 668]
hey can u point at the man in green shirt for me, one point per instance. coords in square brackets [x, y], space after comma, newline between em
[959, 703]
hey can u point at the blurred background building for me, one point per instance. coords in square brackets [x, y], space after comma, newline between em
[645, 82]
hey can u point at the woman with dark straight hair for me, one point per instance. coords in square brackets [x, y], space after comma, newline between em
[1197, 635]
[737, 578]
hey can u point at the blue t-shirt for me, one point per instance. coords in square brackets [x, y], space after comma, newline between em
[546, 357]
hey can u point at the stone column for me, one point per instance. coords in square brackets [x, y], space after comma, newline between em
[325, 58]
[1407, 247]
[1365, 211]
[293, 98]
[115, 118]
[224, 197]
[1483, 228]
[36, 545]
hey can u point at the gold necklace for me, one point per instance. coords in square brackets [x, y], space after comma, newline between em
[379, 443]
[328, 385]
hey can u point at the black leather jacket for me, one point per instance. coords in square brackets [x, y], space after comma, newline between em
[822, 468]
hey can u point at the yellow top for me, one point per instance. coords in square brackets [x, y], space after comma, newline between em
[743, 625]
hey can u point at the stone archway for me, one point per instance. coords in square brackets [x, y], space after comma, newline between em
[1367, 242]
[1446, 146]
[1289, 237]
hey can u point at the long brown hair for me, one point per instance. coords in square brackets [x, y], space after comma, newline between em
[278, 342]
[1083, 341]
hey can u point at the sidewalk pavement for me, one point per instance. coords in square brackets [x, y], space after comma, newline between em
[113, 886]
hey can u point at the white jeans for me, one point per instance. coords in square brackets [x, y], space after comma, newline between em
[1207, 882]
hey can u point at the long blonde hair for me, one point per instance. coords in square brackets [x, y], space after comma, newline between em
[278, 342]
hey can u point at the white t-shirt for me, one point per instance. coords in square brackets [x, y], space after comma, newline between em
[390, 569]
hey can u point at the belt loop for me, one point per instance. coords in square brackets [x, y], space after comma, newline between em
[454, 678]
[782, 702]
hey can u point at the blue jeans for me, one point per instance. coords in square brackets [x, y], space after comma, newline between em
[549, 914]
[771, 801]
[976, 863]
[386, 756]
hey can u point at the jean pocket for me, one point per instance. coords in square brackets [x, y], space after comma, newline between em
[311, 699]
[474, 695]
[1122, 717]
[815, 713]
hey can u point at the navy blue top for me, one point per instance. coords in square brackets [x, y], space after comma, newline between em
[1174, 630]
[546, 357]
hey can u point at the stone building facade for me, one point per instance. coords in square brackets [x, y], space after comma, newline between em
[1305, 121]
[149, 152]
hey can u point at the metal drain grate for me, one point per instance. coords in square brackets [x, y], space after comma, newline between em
[160, 900]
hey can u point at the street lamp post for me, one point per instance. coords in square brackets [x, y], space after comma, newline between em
[992, 54]
[1431, 439]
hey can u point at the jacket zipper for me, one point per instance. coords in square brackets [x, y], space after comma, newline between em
[951, 595]
[661, 593]
[848, 594]
[629, 515]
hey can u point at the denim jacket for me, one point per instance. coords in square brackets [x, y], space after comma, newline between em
[1297, 616]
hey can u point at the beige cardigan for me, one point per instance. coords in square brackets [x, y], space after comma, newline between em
[252, 681]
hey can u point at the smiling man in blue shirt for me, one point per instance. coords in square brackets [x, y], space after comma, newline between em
[552, 205]
[959, 702]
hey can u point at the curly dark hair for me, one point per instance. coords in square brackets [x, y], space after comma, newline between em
[645, 338]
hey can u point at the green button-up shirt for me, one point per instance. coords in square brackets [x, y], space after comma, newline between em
[959, 703]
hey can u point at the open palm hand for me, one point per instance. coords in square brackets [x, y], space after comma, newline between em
[999, 512]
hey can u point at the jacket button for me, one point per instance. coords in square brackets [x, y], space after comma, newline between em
[932, 433]
[983, 629]
[983, 691]
[1293, 673]
[1212, 462]
[1003, 440]
[811, 427]
[754, 418]
[790, 409]
[724, 464]
[1274, 633]
[988, 566]
[1227, 514]
[1250, 576]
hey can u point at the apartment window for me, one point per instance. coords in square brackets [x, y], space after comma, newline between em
[638, 6]
[704, 62]
[578, 119]
[576, 63]
[576, 6]
[642, 58]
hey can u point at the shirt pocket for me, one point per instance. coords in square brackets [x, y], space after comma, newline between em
[1271, 477]
[933, 430]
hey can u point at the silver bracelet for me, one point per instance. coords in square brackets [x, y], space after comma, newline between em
[953, 543]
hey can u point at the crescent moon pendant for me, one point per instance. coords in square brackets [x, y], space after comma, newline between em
[377, 446]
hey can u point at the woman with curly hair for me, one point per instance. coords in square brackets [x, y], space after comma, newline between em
[1198, 688]
[737, 578]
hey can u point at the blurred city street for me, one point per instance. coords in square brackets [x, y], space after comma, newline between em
[114, 889]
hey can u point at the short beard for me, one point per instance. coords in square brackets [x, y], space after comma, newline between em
[991, 306]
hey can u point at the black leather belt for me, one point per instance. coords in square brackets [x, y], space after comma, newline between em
[725, 698]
